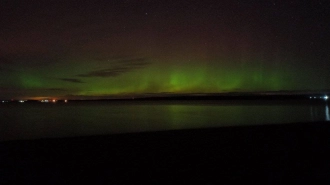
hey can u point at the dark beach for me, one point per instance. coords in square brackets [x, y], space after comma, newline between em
[271, 154]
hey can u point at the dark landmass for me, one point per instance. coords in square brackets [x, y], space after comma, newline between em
[297, 153]
[193, 97]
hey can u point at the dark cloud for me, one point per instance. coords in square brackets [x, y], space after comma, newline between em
[36, 60]
[30, 60]
[4, 65]
[120, 67]
[74, 80]
[109, 58]
[4, 60]
[56, 89]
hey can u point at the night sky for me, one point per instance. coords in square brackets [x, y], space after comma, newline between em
[91, 49]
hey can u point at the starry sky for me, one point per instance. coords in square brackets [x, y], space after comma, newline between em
[101, 48]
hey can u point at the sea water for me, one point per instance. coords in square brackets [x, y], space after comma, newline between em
[81, 118]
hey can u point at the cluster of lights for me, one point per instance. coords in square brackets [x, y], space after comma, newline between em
[53, 101]
[47, 101]
[325, 97]
[42, 101]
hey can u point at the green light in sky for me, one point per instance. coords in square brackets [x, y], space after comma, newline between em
[194, 76]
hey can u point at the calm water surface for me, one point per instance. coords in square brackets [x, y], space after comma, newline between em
[44, 120]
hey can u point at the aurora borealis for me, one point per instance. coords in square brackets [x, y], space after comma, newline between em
[108, 48]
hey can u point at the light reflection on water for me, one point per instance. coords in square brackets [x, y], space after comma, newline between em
[317, 112]
[29, 121]
[327, 116]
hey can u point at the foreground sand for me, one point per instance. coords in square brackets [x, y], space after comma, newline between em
[271, 154]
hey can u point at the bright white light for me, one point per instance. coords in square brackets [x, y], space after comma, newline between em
[65, 101]
[21, 101]
[325, 97]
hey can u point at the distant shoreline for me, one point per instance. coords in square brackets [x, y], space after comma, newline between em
[193, 97]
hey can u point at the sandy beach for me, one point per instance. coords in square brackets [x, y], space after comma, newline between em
[272, 154]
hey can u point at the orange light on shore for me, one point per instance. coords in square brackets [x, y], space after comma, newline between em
[54, 101]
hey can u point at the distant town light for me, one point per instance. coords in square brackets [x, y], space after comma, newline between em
[21, 101]
[65, 101]
[325, 97]
[54, 101]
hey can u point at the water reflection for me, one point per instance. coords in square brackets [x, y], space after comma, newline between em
[327, 114]
[313, 113]
[317, 112]
[28, 121]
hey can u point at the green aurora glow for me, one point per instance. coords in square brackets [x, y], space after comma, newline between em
[159, 78]
[154, 49]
